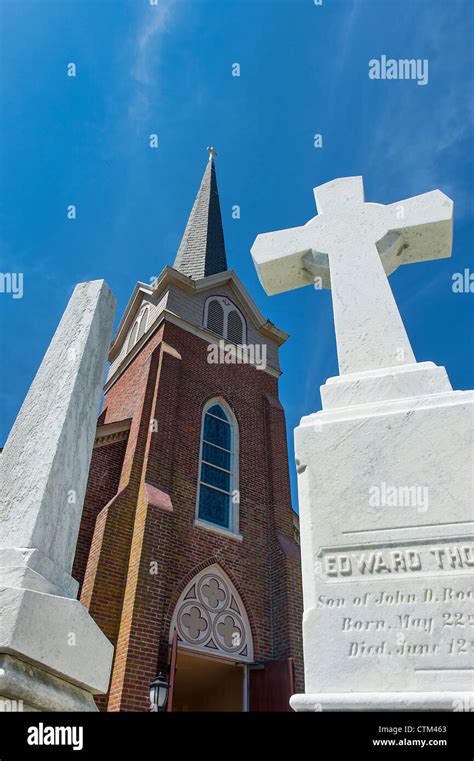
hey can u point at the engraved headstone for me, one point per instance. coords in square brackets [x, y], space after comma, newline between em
[384, 470]
[53, 656]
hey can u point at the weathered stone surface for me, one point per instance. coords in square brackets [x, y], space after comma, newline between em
[56, 633]
[45, 462]
[24, 687]
[44, 470]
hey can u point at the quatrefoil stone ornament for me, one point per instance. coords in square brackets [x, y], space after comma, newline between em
[229, 632]
[213, 593]
[194, 622]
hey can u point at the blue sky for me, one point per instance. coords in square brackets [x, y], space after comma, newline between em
[167, 69]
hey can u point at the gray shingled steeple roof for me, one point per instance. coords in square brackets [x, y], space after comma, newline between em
[202, 249]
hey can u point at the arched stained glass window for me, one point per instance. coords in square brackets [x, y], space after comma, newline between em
[217, 467]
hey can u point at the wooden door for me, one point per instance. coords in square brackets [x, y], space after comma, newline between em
[271, 685]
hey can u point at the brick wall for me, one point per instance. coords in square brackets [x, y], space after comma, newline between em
[104, 478]
[170, 381]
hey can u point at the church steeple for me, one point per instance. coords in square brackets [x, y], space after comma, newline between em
[202, 248]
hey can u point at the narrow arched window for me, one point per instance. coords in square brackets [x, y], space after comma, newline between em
[217, 469]
[139, 328]
[133, 337]
[215, 317]
[235, 328]
[143, 321]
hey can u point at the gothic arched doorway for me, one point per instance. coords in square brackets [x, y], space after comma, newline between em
[213, 645]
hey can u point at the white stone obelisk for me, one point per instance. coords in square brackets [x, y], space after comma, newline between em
[385, 470]
[52, 654]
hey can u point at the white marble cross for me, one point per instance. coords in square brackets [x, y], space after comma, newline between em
[351, 246]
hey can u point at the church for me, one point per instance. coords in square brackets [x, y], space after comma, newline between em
[188, 553]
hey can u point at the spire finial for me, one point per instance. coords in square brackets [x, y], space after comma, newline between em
[212, 152]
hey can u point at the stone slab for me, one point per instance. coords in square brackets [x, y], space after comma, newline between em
[386, 511]
[383, 701]
[56, 634]
[387, 384]
[24, 687]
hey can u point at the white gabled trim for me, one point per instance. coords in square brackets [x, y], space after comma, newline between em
[169, 275]
[169, 316]
[231, 278]
[128, 317]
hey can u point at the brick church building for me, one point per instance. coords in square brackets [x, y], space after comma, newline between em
[188, 555]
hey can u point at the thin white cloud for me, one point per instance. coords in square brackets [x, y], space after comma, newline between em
[155, 23]
[352, 11]
[344, 46]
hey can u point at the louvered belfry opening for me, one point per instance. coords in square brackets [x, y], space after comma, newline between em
[223, 318]
[235, 327]
[215, 317]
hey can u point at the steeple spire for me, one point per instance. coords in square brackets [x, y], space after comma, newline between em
[202, 248]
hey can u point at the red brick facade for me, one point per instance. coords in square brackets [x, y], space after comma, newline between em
[125, 532]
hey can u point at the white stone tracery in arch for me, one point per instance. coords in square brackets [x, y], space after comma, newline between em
[210, 617]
